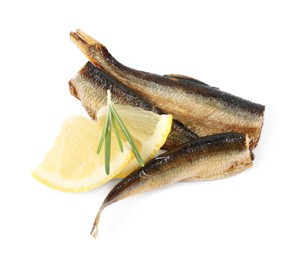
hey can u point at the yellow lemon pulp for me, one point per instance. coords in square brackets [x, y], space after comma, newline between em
[72, 163]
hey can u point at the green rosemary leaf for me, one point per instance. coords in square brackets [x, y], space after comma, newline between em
[114, 121]
[108, 146]
[117, 133]
[127, 135]
[106, 126]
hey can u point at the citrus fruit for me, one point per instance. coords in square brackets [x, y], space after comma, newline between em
[72, 164]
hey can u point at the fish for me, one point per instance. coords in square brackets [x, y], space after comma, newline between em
[203, 109]
[206, 158]
[90, 86]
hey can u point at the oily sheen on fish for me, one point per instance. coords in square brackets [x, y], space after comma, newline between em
[90, 86]
[206, 158]
[203, 109]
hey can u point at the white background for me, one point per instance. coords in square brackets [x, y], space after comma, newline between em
[253, 49]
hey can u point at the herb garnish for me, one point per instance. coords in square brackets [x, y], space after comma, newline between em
[114, 121]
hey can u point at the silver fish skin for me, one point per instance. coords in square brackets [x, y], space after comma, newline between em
[90, 86]
[203, 109]
[206, 158]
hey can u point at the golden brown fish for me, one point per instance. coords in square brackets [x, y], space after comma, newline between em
[203, 109]
[206, 158]
[90, 86]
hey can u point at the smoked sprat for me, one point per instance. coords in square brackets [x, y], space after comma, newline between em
[213, 133]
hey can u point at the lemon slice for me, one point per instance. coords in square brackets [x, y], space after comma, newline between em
[149, 132]
[72, 163]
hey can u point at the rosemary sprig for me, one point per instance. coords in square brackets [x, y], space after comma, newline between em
[116, 130]
[114, 121]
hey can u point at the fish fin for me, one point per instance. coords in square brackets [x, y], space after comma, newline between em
[179, 77]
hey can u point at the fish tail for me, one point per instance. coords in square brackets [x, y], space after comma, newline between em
[83, 40]
[94, 230]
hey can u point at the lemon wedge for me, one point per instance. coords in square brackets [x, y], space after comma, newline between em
[149, 132]
[72, 163]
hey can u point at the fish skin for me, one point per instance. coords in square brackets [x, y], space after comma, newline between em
[90, 86]
[206, 158]
[203, 109]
